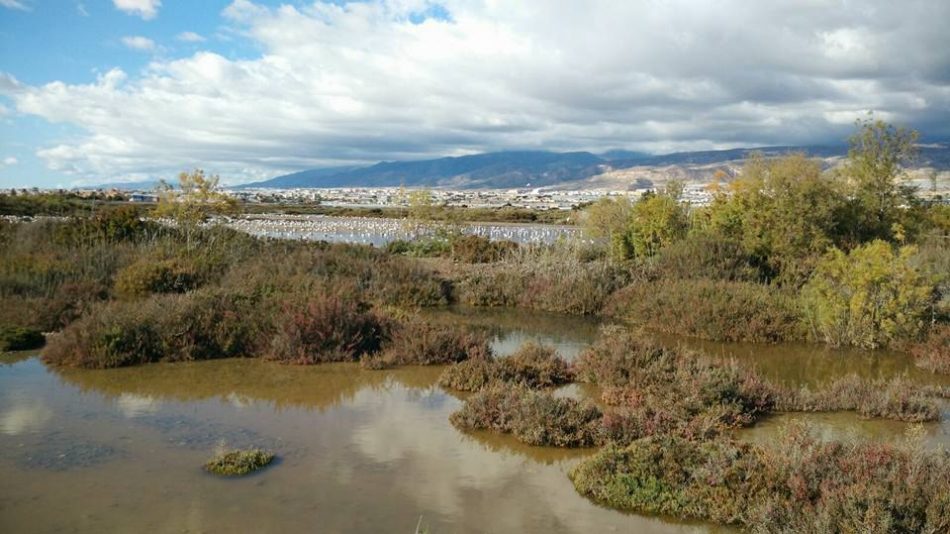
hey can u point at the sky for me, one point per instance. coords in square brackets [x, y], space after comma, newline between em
[102, 91]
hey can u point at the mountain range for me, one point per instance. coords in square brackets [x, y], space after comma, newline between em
[615, 169]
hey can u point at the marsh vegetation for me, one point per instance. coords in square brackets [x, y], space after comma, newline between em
[788, 252]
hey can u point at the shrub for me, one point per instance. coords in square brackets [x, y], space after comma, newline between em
[870, 297]
[705, 255]
[795, 484]
[535, 366]
[18, 338]
[326, 329]
[145, 277]
[707, 309]
[532, 366]
[659, 390]
[112, 335]
[897, 398]
[416, 342]
[162, 328]
[534, 418]
[477, 249]
[237, 463]
[933, 353]
[470, 375]
[551, 279]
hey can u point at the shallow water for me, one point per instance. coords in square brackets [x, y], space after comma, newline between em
[359, 451]
[380, 231]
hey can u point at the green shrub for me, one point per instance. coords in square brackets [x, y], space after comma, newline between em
[708, 309]
[18, 338]
[111, 335]
[870, 297]
[795, 484]
[147, 276]
[197, 326]
[237, 463]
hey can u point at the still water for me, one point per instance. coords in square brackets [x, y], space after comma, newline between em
[359, 451]
[380, 231]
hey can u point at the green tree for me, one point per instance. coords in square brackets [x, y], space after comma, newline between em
[657, 221]
[878, 155]
[870, 297]
[783, 211]
[609, 219]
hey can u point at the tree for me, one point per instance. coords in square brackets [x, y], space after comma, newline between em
[870, 297]
[875, 167]
[609, 219]
[658, 221]
[197, 199]
[783, 212]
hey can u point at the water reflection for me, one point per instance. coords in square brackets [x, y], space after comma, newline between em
[846, 426]
[24, 415]
[569, 335]
[811, 364]
[361, 451]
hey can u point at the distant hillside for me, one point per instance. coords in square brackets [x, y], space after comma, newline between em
[614, 169]
[492, 170]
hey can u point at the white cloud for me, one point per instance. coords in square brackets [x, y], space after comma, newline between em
[9, 161]
[364, 81]
[137, 42]
[189, 37]
[147, 9]
[81, 9]
[14, 4]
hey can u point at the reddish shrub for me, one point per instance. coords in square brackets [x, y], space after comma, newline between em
[326, 329]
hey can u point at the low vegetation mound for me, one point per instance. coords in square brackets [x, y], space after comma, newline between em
[933, 353]
[796, 484]
[196, 326]
[533, 366]
[19, 338]
[326, 329]
[657, 389]
[238, 462]
[535, 418]
[417, 342]
[897, 399]
[710, 309]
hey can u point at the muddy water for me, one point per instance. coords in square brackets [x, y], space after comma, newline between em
[360, 451]
[792, 364]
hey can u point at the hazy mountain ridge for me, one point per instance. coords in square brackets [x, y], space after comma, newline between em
[614, 169]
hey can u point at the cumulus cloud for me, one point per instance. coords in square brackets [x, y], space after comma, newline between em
[399, 79]
[137, 42]
[190, 37]
[147, 9]
[9, 161]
